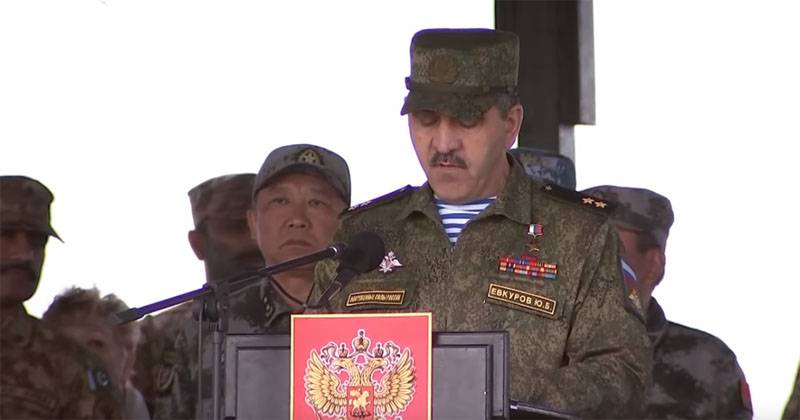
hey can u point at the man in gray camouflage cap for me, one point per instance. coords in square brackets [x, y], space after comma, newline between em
[546, 166]
[576, 345]
[42, 375]
[696, 376]
[298, 195]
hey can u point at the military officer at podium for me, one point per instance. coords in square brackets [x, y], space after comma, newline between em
[484, 247]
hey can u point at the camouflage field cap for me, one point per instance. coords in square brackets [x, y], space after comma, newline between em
[638, 209]
[25, 204]
[306, 158]
[548, 166]
[459, 72]
[223, 197]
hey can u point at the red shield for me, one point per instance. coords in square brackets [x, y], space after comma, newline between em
[360, 402]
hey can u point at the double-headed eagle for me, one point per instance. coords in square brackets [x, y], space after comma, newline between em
[329, 396]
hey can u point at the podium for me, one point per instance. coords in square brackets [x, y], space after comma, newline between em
[469, 371]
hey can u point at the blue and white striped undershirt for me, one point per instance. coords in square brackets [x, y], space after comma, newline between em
[456, 216]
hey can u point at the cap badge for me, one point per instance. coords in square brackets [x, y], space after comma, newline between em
[309, 156]
[389, 263]
[443, 69]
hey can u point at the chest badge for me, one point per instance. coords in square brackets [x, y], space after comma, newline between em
[389, 263]
[535, 230]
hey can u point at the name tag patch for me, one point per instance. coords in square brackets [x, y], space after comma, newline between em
[522, 298]
[376, 297]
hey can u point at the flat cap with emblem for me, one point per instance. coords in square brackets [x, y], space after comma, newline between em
[459, 72]
[223, 197]
[25, 204]
[305, 158]
[539, 263]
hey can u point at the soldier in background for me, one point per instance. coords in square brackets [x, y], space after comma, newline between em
[296, 199]
[545, 166]
[298, 195]
[477, 245]
[792, 410]
[42, 375]
[167, 368]
[83, 317]
[695, 374]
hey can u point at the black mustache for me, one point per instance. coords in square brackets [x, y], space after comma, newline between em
[448, 158]
[19, 265]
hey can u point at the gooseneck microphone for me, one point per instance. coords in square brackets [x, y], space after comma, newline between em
[336, 250]
[364, 253]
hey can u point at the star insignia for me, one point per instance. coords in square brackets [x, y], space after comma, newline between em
[600, 204]
[588, 200]
[389, 262]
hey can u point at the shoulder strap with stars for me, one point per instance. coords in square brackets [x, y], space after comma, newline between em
[583, 200]
[386, 198]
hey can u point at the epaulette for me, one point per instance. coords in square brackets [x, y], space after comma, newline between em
[386, 198]
[583, 200]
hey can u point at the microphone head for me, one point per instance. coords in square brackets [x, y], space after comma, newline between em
[364, 253]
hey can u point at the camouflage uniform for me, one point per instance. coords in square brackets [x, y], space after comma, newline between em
[576, 345]
[695, 374]
[582, 351]
[169, 353]
[41, 374]
[792, 410]
[167, 360]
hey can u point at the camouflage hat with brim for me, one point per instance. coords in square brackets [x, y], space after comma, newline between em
[305, 158]
[547, 166]
[460, 72]
[638, 209]
[25, 205]
[225, 197]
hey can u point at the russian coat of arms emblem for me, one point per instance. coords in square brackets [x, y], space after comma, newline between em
[361, 366]
[360, 380]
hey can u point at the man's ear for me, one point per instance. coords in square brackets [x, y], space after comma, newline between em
[513, 124]
[198, 244]
[252, 225]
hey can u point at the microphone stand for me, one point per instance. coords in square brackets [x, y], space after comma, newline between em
[235, 282]
[213, 299]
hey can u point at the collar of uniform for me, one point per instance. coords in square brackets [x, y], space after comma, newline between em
[17, 328]
[514, 202]
[656, 322]
[421, 201]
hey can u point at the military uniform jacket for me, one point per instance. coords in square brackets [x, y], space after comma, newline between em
[576, 345]
[695, 375]
[168, 372]
[45, 376]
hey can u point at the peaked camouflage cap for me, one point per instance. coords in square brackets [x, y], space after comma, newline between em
[224, 197]
[638, 209]
[25, 204]
[547, 166]
[305, 158]
[460, 72]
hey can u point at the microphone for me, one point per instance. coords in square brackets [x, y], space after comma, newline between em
[336, 250]
[364, 254]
